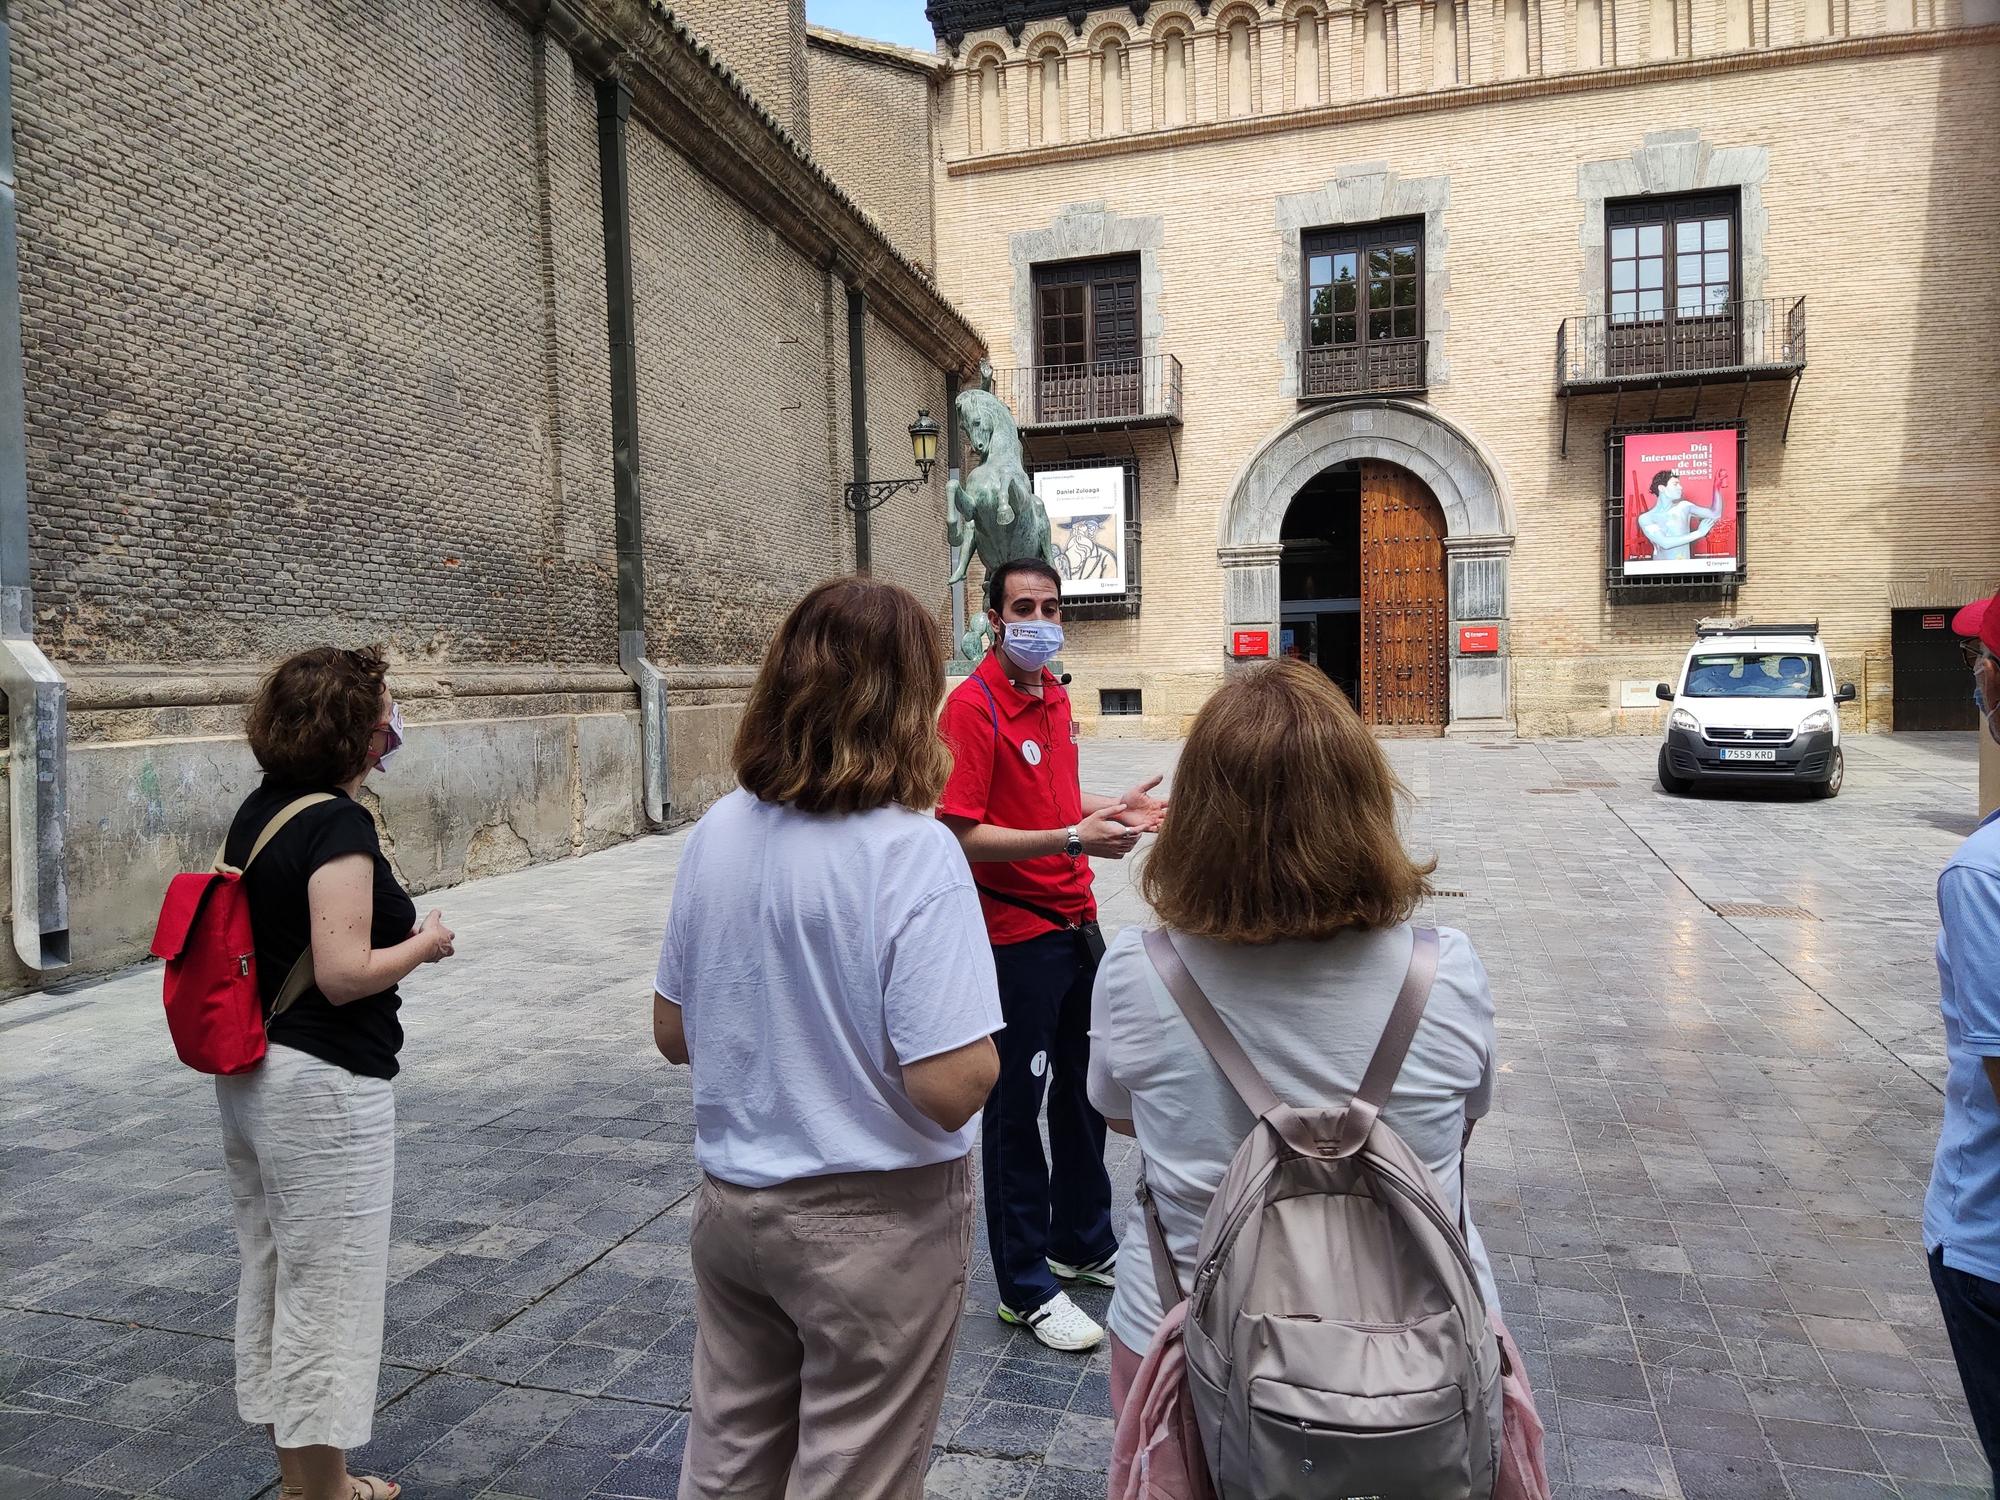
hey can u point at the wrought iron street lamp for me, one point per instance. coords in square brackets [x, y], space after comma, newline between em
[869, 494]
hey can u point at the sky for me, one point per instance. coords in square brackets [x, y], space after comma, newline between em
[886, 20]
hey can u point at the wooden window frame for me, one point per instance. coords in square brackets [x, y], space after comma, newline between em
[1404, 366]
[1669, 212]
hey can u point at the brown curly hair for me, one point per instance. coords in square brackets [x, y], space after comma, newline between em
[1284, 820]
[312, 719]
[844, 714]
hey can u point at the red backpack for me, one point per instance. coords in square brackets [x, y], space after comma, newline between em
[214, 1012]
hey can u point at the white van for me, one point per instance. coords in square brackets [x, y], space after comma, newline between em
[1754, 703]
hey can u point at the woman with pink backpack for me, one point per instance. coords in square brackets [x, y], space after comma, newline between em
[1301, 1066]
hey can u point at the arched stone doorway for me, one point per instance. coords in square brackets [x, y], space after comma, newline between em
[1361, 592]
[1469, 494]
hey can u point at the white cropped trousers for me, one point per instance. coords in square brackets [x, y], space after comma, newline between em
[311, 1153]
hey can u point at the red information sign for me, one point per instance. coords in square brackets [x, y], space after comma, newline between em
[1478, 640]
[1933, 622]
[1250, 643]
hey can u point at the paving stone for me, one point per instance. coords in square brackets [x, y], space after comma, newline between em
[552, 1472]
[1708, 1476]
[63, 1445]
[238, 1470]
[142, 1459]
[1821, 1444]
[1081, 1443]
[1807, 1482]
[999, 1429]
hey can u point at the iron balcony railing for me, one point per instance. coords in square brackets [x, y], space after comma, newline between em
[1764, 337]
[1142, 391]
[1378, 367]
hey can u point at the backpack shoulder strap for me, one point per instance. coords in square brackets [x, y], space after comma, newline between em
[297, 981]
[1387, 1063]
[1214, 1034]
[283, 816]
[1165, 1272]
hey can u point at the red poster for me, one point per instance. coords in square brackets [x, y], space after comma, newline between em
[1478, 640]
[1681, 495]
[1250, 643]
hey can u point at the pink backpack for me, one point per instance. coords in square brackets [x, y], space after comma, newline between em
[1269, 1412]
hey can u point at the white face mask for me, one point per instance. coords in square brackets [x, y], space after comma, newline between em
[1032, 644]
[393, 737]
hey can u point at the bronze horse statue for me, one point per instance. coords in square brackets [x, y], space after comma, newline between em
[996, 510]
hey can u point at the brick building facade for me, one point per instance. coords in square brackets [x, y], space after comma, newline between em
[316, 345]
[1139, 207]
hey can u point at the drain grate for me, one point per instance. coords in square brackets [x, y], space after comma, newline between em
[1758, 909]
[1551, 791]
[1594, 785]
[1441, 891]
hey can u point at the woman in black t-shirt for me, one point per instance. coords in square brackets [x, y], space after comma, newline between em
[309, 1133]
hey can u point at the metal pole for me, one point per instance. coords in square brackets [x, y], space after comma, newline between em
[614, 107]
[857, 395]
[37, 696]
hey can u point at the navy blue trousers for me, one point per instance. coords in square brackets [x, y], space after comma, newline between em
[1971, 1307]
[1031, 1212]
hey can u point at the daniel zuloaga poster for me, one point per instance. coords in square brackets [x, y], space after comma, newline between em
[1087, 525]
[1681, 496]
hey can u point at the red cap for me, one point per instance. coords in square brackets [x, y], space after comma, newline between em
[1981, 619]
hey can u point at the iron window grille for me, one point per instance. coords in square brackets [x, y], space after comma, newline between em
[1119, 702]
[1669, 589]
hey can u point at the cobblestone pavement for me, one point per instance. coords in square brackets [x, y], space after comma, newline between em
[1701, 1184]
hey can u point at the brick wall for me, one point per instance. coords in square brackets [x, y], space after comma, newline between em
[871, 125]
[284, 341]
[742, 508]
[1891, 466]
[908, 531]
[763, 42]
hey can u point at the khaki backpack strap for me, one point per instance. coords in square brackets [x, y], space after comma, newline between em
[1387, 1063]
[285, 815]
[297, 982]
[1213, 1033]
[300, 979]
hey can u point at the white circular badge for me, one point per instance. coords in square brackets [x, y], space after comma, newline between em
[1031, 752]
[1038, 1064]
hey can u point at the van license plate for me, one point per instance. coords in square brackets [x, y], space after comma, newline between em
[1749, 755]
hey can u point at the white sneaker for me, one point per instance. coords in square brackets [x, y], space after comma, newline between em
[1058, 1323]
[1097, 1273]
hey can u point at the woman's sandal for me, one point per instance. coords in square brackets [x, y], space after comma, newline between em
[363, 1486]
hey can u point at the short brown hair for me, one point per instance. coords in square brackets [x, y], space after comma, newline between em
[844, 714]
[1284, 818]
[313, 717]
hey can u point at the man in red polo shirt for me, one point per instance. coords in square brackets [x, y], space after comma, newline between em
[1027, 829]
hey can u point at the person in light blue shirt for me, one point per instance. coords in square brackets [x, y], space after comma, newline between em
[1962, 1208]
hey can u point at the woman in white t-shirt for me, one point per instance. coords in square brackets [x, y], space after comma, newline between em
[826, 975]
[1288, 890]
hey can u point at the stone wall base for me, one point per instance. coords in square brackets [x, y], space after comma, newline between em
[482, 786]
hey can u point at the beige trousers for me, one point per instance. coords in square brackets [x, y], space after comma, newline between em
[311, 1153]
[826, 1312]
